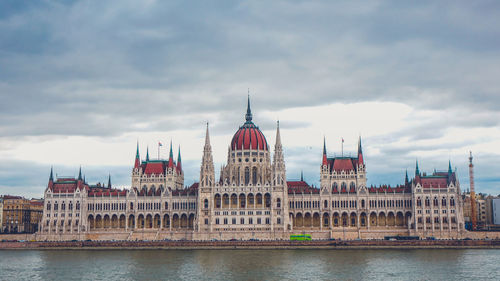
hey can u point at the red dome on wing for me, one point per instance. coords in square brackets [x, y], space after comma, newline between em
[249, 136]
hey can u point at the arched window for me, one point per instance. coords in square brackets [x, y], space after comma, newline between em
[419, 202]
[452, 201]
[352, 186]
[363, 203]
[343, 186]
[205, 204]
[247, 175]
[63, 206]
[278, 203]
[436, 202]
[48, 206]
[427, 202]
[443, 202]
[325, 204]
[254, 175]
[77, 205]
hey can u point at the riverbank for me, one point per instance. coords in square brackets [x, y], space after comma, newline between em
[318, 244]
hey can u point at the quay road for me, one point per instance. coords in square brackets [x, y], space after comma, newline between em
[315, 244]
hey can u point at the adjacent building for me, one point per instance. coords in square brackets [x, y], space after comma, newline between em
[252, 199]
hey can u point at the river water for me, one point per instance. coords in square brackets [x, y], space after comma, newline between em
[249, 264]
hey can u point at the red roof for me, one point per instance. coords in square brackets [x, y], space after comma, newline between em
[97, 192]
[249, 136]
[435, 182]
[343, 164]
[301, 187]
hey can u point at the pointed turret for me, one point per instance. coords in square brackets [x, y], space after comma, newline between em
[360, 152]
[301, 175]
[248, 116]
[109, 180]
[417, 171]
[137, 158]
[171, 157]
[449, 167]
[406, 178]
[207, 173]
[147, 153]
[80, 174]
[51, 177]
[325, 159]
[278, 160]
[179, 162]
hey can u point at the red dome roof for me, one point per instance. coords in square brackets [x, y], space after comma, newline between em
[249, 136]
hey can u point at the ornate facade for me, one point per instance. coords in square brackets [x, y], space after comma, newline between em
[252, 199]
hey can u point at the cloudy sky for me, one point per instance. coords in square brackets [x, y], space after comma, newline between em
[82, 81]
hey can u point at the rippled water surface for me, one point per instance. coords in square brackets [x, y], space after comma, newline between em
[249, 264]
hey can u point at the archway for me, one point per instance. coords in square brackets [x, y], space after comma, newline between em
[391, 219]
[191, 221]
[98, 222]
[140, 221]
[326, 220]
[381, 219]
[114, 221]
[122, 221]
[299, 220]
[149, 221]
[131, 221]
[175, 221]
[373, 219]
[400, 220]
[106, 222]
[336, 219]
[166, 221]
[307, 220]
[316, 220]
[184, 220]
[91, 222]
[157, 221]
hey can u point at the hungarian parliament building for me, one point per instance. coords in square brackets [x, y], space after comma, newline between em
[252, 199]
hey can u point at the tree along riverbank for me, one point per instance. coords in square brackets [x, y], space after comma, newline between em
[315, 244]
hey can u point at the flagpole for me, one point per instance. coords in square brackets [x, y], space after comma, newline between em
[342, 147]
[158, 151]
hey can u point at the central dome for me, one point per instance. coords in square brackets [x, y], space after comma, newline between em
[249, 136]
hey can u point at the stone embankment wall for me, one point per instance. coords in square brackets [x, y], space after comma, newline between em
[315, 244]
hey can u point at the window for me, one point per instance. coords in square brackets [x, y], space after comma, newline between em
[234, 220]
[242, 221]
[250, 221]
[419, 202]
[205, 204]
[225, 220]
[278, 221]
[278, 203]
[247, 174]
[268, 221]
[206, 221]
[325, 204]
[131, 205]
[259, 221]
[216, 221]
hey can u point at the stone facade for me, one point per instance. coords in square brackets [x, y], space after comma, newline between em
[252, 199]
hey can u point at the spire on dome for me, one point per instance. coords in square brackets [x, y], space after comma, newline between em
[80, 174]
[137, 158]
[248, 116]
[147, 153]
[325, 160]
[417, 171]
[109, 180]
